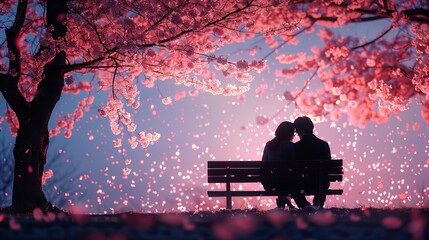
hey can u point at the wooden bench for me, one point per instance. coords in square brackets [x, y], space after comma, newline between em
[288, 173]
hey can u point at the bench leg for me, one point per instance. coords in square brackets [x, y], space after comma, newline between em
[228, 202]
[228, 197]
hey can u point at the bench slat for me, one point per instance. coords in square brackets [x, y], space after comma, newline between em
[336, 178]
[234, 179]
[257, 178]
[258, 163]
[266, 193]
[224, 164]
[241, 171]
[258, 171]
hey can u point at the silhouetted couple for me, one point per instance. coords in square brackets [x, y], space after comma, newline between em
[309, 147]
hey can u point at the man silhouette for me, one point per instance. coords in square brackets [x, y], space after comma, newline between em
[310, 147]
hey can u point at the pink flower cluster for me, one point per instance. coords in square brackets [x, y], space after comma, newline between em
[68, 121]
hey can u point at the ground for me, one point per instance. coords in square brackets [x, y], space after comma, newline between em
[333, 223]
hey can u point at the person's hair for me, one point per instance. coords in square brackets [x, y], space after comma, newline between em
[304, 124]
[283, 132]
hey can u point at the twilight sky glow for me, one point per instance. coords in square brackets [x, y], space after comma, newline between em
[385, 163]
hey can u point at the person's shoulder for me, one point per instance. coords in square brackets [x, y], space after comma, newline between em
[269, 143]
[319, 139]
[325, 142]
[322, 143]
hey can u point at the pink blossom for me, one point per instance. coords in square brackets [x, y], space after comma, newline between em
[179, 95]
[218, 31]
[243, 65]
[47, 175]
[222, 60]
[38, 214]
[259, 65]
[261, 120]
[286, 73]
[150, 52]
[67, 134]
[287, 59]
[166, 101]
[260, 89]
[373, 84]
[126, 171]
[391, 222]
[325, 34]
[370, 62]
[135, 105]
[13, 224]
[325, 218]
[288, 96]
[131, 127]
[193, 93]
[253, 51]
[117, 142]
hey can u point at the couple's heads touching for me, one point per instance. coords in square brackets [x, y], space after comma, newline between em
[301, 126]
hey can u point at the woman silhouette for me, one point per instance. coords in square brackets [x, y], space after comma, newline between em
[280, 148]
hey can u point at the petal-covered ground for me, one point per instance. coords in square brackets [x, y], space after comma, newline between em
[333, 223]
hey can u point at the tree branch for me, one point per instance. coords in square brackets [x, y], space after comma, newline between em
[12, 34]
[386, 7]
[374, 40]
[12, 95]
[418, 15]
[113, 81]
[367, 19]
[286, 41]
[227, 15]
[77, 66]
[9, 81]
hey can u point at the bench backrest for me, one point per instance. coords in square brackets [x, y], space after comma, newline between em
[276, 171]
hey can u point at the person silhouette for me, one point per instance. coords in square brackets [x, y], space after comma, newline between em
[310, 147]
[280, 148]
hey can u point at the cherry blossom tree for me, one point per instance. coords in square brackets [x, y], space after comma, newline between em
[48, 44]
[366, 79]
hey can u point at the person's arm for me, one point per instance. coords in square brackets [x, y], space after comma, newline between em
[265, 154]
[265, 178]
[327, 154]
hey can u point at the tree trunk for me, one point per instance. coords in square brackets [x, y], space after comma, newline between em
[30, 157]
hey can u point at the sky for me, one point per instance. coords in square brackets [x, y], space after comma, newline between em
[384, 164]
